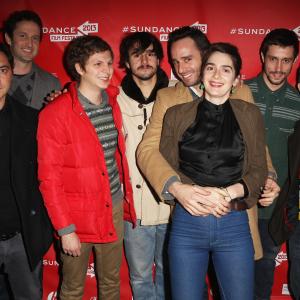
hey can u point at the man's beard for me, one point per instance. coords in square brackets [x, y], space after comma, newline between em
[276, 82]
[145, 77]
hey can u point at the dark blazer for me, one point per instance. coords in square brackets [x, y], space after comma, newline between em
[178, 118]
[285, 214]
[35, 225]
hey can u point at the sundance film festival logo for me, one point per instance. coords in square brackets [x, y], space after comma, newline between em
[163, 31]
[285, 289]
[52, 263]
[280, 258]
[52, 296]
[297, 31]
[67, 33]
[91, 271]
[202, 27]
[249, 31]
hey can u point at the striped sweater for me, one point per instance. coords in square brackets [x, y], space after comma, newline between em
[102, 119]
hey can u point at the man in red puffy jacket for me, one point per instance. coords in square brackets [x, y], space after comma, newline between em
[83, 170]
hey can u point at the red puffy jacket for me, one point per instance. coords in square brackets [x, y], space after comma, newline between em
[72, 169]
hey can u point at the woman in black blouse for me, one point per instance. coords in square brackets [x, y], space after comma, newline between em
[217, 144]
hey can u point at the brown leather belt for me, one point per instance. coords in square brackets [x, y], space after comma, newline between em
[238, 204]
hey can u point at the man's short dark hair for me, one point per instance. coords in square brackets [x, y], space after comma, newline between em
[200, 39]
[280, 37]
[141, 41]
[80, 49]
[14, 18]
[225, 48]
[6, 51]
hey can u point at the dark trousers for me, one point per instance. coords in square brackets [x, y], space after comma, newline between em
[25, 284]
[294, 260]
[4, 289]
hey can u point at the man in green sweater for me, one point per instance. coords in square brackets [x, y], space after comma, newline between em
[279, 103]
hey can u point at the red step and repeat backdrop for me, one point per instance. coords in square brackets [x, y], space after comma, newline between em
[243, 23]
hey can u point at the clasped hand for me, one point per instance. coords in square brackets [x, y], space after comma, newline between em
[201, 201]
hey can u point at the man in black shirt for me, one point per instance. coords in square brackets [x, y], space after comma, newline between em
[25, 230]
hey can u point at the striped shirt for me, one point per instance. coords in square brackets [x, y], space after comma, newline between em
[281, 110]
[102, 119]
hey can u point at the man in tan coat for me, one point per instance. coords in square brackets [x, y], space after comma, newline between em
[145, 244]
[185, 49]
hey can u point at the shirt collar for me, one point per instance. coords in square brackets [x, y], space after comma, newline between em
[195, 93]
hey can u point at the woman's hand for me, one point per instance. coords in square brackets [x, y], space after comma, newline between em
[193, 198]
[221, 199]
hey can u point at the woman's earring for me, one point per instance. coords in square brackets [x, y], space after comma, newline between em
[201, 86]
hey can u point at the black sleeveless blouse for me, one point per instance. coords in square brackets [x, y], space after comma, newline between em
[211, 151]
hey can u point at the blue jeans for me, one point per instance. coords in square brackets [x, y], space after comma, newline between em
[265, 267]
[294, 260]
[144, 247]
[228, 240]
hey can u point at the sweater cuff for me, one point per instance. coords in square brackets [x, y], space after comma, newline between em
[272, 175]
[246, 190]
[166, 195]
[66, 230]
